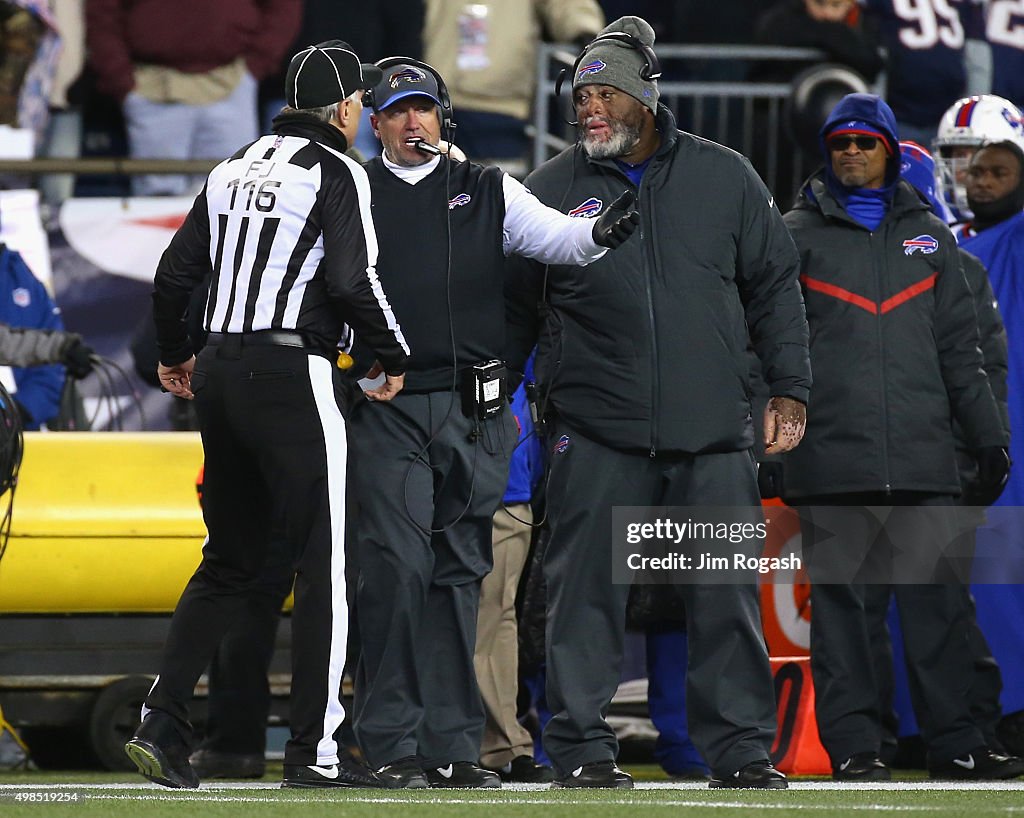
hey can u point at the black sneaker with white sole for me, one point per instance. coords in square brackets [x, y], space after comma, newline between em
[160, 752]
[757, 775]
[981, 764]
[598, 775]
[346, 773]
[462, 775]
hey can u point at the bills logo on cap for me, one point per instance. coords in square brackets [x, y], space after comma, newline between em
[926, 245]
[592, 67]
[406, 75]
[560, 445]
[459, 201]
[21, 296]
[591, 207]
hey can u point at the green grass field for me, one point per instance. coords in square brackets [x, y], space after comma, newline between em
[111, 795]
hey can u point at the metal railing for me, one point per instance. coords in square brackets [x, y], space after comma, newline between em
[748, 116]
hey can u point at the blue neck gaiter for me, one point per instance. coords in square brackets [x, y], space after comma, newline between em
[868, 206]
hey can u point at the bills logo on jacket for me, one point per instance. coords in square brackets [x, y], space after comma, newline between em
[560, 445]
[591, 207]
[925, 245]
[459, 201]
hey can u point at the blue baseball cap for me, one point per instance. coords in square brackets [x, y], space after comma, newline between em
[404, 80]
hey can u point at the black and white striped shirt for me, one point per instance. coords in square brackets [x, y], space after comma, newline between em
[285, 226]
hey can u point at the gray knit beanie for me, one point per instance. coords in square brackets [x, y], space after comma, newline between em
[616, 63]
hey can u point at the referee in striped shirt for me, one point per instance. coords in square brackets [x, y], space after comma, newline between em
[285, 227]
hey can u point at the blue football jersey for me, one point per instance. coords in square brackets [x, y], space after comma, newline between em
[1004, 30]
[925, 41]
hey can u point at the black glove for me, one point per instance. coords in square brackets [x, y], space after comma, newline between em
[78, 360]
[993, 472]
[617, 222]
[769, 479]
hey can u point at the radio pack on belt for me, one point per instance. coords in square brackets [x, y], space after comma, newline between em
[483, 390]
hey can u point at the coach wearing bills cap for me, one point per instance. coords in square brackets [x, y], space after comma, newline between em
[444, 228]
[643, 360]
[285, 227]
[894, 350]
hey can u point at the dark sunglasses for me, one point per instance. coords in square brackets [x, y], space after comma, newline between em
[842, 142]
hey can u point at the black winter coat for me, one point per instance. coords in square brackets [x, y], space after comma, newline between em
[894, 348]
[645, 350]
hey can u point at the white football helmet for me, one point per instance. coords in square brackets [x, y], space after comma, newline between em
[968, 124]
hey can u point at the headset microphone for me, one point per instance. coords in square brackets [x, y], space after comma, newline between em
[426, 147]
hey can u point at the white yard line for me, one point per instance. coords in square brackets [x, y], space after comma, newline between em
[794, 786]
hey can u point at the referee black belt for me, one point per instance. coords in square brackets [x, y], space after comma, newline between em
[262, 338]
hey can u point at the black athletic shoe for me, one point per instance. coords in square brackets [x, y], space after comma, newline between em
[861, 767]
[402, 774]
[526, 770]
[757, 775]
[215, 764]
[981, 764]
[462, 775]
[160, 752]
[603, 775]
[346, 773]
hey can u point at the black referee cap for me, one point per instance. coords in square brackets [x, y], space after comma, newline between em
[323, 74]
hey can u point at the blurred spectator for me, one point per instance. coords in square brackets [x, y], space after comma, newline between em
[723, 21]
[25, 303]
[1003, 29]
[659, 13]
[186, 73]
[487, 52]
[64, 131]
[835, 26]
[28, 56]
[977, 52]
[383, 30]
[926, 72]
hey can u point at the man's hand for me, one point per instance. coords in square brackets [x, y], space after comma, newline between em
[993, 472]
[617, 222]
[784, 422]
[177, 379]
[77, 359]
[386, 391]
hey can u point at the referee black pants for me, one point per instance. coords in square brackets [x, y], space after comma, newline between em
[275, 448]
[419, 589]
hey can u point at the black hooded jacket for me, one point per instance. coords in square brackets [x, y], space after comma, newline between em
[646, 349]
[894, 346]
